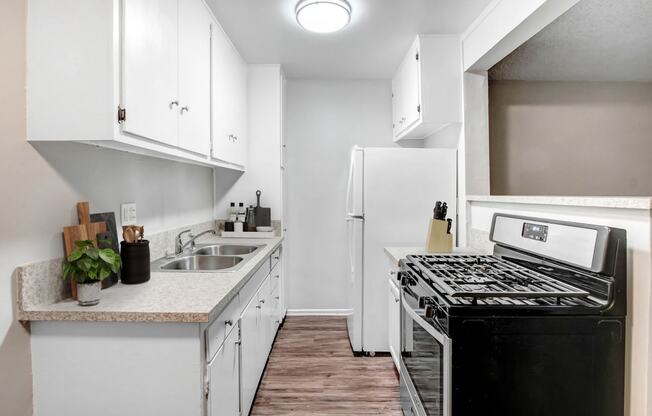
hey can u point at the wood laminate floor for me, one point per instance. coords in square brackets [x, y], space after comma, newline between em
[312, 371]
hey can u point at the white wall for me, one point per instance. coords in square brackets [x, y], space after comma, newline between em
[40, 187]
[264, 101]
[324, 120]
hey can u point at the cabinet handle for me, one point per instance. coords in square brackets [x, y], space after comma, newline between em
[262, 301]
[184, 108]
[278, 276]
[276, 257]
[237, 343]
[228, 322]
[173, 103]
[258, 307]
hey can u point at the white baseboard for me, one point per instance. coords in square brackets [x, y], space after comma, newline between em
[319, 312]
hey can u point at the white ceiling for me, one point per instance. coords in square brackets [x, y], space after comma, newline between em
[596, 40]
[265, 31]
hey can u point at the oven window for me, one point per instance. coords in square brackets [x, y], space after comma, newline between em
[423, 358]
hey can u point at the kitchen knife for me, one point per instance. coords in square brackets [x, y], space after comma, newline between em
[450, 225]
[444, 211]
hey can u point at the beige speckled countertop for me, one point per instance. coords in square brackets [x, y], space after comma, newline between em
[395, 254]
[167, 297]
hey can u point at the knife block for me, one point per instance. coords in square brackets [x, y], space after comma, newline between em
[439, 241]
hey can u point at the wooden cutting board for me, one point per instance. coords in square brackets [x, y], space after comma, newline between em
[92, 228]
[86, 230]
[71, 234]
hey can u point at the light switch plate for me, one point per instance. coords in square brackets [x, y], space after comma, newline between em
[128, 211]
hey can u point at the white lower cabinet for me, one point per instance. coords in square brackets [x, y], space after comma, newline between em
[394, 320]
[224, 378]
[189, 368]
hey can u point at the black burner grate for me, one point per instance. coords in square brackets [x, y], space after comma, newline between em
[481, 277]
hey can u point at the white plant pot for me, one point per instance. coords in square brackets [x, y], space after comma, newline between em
[88, 294]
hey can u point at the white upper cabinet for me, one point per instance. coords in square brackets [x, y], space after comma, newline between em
[229, 101]
[150, 69]
[194, 76]
[133, 75]
[427, 87]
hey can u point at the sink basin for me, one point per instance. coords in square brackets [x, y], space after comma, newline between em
[203, 263]
[225, 250]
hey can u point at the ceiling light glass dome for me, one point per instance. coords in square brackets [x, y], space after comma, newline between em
[323, 16]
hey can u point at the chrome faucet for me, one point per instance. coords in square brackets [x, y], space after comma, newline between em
[180, 246]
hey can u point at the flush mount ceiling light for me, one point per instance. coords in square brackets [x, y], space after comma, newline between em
[323, 16]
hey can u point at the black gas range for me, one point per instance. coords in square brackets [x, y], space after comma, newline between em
[537, 328]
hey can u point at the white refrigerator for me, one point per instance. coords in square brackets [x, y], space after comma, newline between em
[390, 200]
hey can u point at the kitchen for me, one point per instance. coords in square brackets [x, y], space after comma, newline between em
[110, 105]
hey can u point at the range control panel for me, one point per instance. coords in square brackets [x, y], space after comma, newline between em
[537, 232]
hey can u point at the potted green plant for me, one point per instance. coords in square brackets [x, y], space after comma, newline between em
[87, 266]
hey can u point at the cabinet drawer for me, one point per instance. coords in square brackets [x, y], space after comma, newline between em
[249, 289]
[217, 331]
[275, 258]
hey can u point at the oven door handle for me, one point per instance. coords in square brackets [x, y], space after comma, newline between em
[439, 336]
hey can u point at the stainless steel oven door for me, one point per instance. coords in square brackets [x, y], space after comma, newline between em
[425, 364]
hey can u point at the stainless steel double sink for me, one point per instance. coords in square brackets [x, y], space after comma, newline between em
[221, 258]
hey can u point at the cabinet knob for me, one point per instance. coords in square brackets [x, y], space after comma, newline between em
[258, 307]
[262, 301]
[278, 276]
[184, 108]
[277, 297]
[173, 103]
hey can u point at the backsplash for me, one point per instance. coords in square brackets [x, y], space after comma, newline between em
[39, 283]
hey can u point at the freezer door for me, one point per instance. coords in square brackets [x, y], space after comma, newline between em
[401, 187]
[354, 195]
[355, 230]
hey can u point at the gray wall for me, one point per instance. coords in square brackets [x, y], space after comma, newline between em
[40, 186]
[324, 120]
[570, 138]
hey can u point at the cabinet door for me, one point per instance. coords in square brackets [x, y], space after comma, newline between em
[194, 76]
[251, 340]
[411, 87]
[275, 310]
[229, 100]
[265, 322]
[239, 114]
[149, 73]
[224, 376]
[393, 321]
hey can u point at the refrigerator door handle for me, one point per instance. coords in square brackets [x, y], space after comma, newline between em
[353, 217]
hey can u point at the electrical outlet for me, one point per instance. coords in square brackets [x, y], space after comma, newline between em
[128, 211]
